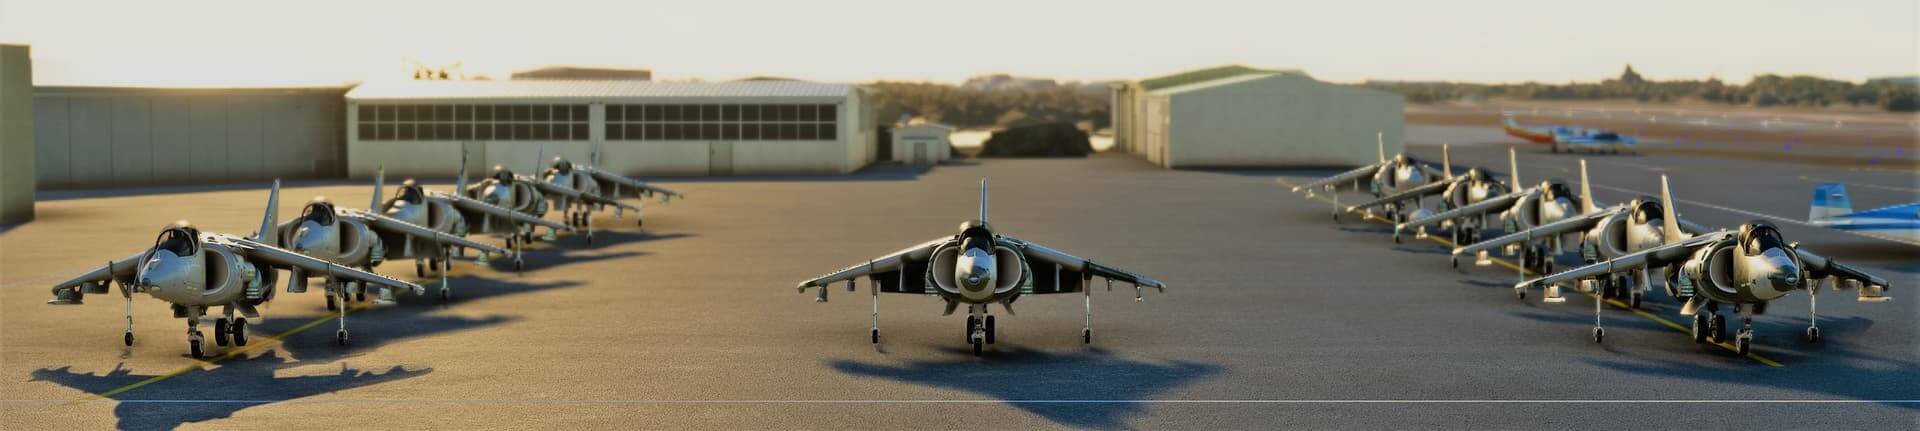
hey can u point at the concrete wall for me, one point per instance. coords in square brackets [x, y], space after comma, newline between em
[16, 135]
[118, 137]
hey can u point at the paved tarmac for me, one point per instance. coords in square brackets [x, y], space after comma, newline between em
[1275, 317]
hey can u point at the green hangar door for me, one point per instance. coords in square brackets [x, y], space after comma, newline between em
[720, 158]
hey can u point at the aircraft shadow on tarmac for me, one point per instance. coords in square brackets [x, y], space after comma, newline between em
[253, 379]
[1023, 376]
[1834, 367]
[570, 250]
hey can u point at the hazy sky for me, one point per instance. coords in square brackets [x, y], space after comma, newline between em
[260, 42]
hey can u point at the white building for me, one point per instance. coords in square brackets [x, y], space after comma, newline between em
[1235, 116]
[418, 128]
[922, 143]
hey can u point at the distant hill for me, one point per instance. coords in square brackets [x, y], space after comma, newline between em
[993, 101]
[1898, 94]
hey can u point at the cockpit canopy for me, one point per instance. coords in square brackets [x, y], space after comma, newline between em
[1558, 189]
[411, 193]
[562, 166]
[501, 174]
[1757, 237]
[1648, 209]
[180, 240]
[320, 212]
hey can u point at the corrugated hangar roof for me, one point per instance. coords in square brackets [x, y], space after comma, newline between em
[1208, 74]
[410, 90]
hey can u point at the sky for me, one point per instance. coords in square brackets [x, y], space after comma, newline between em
[268, 42]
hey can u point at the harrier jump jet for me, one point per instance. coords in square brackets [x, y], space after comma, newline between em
[363, 239]
[1455, 192]
[501, 205]
[1549, 202]
[1386, 178]
[1744, 268]
[977, 268]
[597, 189]
[195, 271]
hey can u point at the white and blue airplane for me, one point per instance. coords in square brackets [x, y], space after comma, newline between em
[1831, 209]
[1570, 138]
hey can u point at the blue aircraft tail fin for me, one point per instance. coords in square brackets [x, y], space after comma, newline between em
[1829, 200]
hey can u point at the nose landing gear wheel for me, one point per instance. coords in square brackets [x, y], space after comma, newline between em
[989, 329]
[220, 332]
[194, 346]
[1719, 328]
[1743, 342]
[1700, 328]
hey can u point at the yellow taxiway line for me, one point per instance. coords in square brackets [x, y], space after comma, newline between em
[200, 364]
[1615, 303]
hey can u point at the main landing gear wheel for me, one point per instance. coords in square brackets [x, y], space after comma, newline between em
[220, 332]
[1599, 334]
[1813, 335]
[341, 337]
[1717, 330]
[238, 331]
[989, 329]
[360, 295]
[1634, 299]
[972, 322]
[333, 304]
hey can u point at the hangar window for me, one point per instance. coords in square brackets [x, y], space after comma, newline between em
[638, 122]
[366, 131]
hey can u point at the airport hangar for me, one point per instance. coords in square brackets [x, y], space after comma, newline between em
[419, 128]
[1242, 117]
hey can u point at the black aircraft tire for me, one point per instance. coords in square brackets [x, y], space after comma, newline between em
[220, 332]
[238, 331]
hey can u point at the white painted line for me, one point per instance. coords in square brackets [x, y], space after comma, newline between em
[979, 401]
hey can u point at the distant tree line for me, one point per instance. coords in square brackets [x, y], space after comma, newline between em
[964, 107]
[1898, 95]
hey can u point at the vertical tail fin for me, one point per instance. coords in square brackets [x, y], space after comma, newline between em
[266, 234]
[983, 200]
[1829, 200]
[379, 182]
[1670, 223]
[1380, 142]
[460, 185]
[1513, 170]
[1586, 191]
[593, 159]
[1446, 162]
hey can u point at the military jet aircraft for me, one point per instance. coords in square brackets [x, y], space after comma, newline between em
[1744, 268]
[597, 189]
[502, 205]
[978, 267]
[1605, 234]
[1455, 192]
[1549, 202]
[1386, 178]
[363, 239]
[195, 271]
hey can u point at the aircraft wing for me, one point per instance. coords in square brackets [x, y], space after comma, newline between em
[608, 201]
[1491, 204]
[1572, 224]
[120, 271]
[469, 206]
[889, 262]
[1343, 177]
[608, 179]
[1041, 253]
[549, 188]
[1427, 189]
[1821, 266]
[1656, 256]
[389, 224]
[282, 258]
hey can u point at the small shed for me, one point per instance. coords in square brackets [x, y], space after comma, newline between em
[922, 143]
